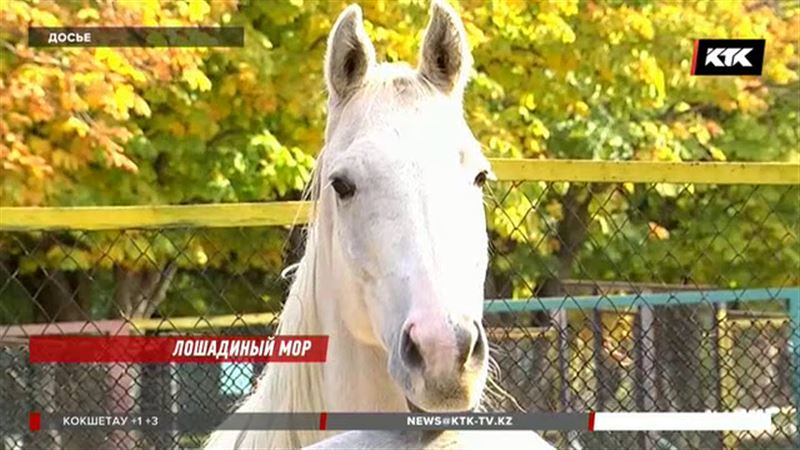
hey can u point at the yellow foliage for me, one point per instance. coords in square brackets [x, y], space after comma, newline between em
[88, 13]
[196, 79]
[39, 146]
[716, 153]
[581, 108]
[141, 107]
[657, 231]
[122, 100]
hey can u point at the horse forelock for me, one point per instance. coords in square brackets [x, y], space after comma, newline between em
[387, 88]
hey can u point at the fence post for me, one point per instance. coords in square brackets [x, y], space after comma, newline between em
[716, 367]
[645, 353]
[727, 382]
[794, 340]
[173, 405]
[43, 399]
[123, 397]
[597, 334]
[601, 394]
[562, 323]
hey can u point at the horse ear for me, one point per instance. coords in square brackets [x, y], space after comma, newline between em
[350, 54]
[446, 59]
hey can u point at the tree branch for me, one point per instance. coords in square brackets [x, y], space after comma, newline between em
[158, 293]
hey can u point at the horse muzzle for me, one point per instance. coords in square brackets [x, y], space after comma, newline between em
[442, 364]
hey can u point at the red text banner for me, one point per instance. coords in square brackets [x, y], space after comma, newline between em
[151, 349]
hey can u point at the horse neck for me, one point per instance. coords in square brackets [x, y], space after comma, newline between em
[315, 306]
[285, 387]
[282, 387]
[354, 378]
[297, 387]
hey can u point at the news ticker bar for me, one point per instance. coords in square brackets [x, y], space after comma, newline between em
[136, 37]
[601, 421]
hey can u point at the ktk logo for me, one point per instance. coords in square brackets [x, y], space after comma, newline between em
[732, 57]
[728, 57]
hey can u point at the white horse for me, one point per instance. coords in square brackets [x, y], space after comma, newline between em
[396, 254]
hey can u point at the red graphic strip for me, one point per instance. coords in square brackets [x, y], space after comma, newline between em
[591, 420]
[323, 421]
[694, 55]
[34, 421]
[152, 349]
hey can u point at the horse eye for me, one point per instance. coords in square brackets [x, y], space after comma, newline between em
[480, 178]
[344, 188]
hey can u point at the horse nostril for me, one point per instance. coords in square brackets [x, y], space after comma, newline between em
[471, 343]
[479, 347]
[409, 351]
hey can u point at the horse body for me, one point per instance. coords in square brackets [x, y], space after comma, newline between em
[426, 440]
[397, 250]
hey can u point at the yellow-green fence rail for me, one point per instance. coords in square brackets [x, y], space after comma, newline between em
[293, 213]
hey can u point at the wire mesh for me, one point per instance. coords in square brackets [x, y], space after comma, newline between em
[566, 251]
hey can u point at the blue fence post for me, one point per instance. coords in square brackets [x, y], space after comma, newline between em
[794, 339]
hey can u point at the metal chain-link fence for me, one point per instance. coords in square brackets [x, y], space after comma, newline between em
[601, 295]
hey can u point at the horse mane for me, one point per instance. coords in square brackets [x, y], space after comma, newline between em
[286, 387]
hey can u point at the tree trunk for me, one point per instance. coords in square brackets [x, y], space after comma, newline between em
[59, 296]
[571, 234]
[572, 231]
[138, 293]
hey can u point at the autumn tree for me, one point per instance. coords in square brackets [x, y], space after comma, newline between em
[135, 126]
